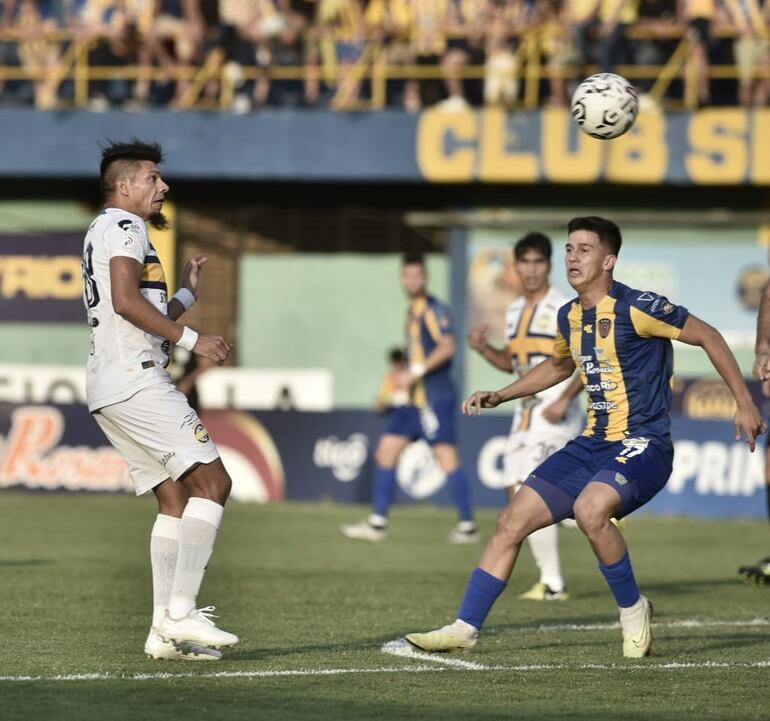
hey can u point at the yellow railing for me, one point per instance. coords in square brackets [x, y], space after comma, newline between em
[372, 66]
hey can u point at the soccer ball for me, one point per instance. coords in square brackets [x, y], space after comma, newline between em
[605, 105]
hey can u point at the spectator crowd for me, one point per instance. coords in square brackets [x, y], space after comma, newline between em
[321, 53]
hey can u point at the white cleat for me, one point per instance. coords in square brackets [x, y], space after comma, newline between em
[464, 532]
[365, 531]
[638, 645]
[197, 628]
[457, 636]
[155, 647]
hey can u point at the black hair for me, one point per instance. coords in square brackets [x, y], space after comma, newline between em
[132, 152]
[413, 258]
[396, 355]
[533, 241]
[606, 230]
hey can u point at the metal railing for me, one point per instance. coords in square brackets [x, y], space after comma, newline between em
[372, 66]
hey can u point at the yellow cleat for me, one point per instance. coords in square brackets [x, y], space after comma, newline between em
[541, 592]
[457, 636]
[638, 646]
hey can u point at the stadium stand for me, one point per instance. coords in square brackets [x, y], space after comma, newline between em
[240, 55]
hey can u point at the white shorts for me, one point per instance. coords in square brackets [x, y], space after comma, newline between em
[158, 434]
[526, 451]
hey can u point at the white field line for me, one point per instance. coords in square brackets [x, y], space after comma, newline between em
[684, 623]
[401, 647]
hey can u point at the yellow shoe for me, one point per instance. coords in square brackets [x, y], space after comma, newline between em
[457, 636]
[638, 646]
[541, 592]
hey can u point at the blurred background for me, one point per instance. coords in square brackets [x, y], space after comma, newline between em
[311, 142]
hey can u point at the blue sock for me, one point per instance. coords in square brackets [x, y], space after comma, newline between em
[384, 490]
[483, 590]
[461, 493]
[620, 579]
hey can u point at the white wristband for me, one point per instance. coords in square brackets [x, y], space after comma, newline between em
[188, 340]
[417, 370]
[185, 297]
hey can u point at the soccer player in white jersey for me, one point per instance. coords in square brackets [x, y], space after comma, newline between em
[545, 422]
[132, 398]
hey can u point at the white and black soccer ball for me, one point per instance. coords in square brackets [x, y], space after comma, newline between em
[605, 105]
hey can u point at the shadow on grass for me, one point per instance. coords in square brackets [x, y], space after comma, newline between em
[20, 562]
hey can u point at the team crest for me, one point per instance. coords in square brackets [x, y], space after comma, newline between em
[605, 325]
[620, 479]
[667, 308]
[201, 434]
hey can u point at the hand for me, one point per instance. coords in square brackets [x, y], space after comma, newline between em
[213, 347]
[477, 338]
[762, 366]
[555, 412]
[481, 399]
[191, 274]
[749, 421]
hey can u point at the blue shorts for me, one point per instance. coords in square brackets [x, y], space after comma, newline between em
[435, 423]
[637, 468]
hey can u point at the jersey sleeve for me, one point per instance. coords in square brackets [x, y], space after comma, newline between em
[561, 348]
[654, 316]
[127, 238]
[438, 320]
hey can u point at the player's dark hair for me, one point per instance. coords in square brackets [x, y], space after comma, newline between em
[533, 241]
[413, 258]
[119, 159]
[396, 355]
[606, 230]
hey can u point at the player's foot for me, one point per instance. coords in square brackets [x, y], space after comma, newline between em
[464, 532]
[637, 645]
[541, 592]
[155, 647]
[758, 575]
[456, 636]
[367, 530]
[196, 627]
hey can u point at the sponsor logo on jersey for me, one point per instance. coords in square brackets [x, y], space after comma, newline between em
[166, 457]
[605, 325]
[588, 328]
[668, 308]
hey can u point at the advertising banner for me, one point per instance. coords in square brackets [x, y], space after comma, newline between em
[276, 455]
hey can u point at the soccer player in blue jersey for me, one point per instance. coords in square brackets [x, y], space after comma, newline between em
[619, 339]
[430, 413]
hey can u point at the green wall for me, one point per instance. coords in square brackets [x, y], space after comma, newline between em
[342, 312]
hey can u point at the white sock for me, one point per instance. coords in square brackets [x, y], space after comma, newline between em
[545, 548]
[163, 552]
[631, 618]
[197, 533]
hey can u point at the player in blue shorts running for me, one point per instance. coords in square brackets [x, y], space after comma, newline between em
[430, 414]
[620, 341]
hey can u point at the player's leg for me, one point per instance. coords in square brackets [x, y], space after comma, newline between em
[594, 507]
[759, 573]
[448, 459]
[521, 458]
[524, 514]
[375, 526]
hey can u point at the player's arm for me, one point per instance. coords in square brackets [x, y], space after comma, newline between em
[545, 375]
[191, 280]
[747, 417]
[557, 410]
[762, 346]
[130, 304]
[441, 354]
[497, 357]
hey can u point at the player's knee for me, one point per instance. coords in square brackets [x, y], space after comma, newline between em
[384, 457]
[590, 516]
[511, 528]
[211, 482]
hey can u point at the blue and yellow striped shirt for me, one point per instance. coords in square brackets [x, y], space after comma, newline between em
[622, 349]
[427, 321]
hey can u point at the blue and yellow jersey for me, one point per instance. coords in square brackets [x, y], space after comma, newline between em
[622, 349]
[427, 321]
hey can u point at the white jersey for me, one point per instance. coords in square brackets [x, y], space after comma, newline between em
[529, 335]
[123, 358]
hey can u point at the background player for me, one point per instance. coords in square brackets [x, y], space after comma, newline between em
[132, 398]
[544, 423]
[620, 339]
[430, 414]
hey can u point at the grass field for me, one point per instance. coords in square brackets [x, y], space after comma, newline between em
[314, 611]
